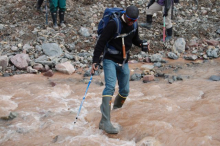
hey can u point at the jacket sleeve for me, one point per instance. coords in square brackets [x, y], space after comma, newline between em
[136, 40]
[168, 4]
[107, 34]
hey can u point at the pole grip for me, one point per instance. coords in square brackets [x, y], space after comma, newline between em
[124, 53]
[123, 48]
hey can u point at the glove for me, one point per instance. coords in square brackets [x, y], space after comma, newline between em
[144, 46]
[165, 14]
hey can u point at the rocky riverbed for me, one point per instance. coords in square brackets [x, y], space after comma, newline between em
[27, 45]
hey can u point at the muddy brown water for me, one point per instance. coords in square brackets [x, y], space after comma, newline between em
[185, 113]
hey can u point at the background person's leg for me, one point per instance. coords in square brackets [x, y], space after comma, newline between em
[62, 9]
[168, 24]
[155, 7]
[53, 10]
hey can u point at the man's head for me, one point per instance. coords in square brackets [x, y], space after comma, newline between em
[131, 15]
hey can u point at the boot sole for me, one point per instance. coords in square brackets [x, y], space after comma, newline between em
[108, 131]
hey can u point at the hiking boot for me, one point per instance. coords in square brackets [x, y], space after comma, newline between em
[54, 17]
[168, 34]
[148, 22]
[119, 101]
[105, 123]
[61, 15]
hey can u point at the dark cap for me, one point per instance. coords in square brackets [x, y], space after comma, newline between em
[132, 12]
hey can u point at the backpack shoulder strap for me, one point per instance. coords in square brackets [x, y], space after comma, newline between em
[118, 25]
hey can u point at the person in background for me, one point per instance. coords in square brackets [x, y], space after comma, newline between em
[159, 5]
[114, 65]
[54, 6]
[39, 3]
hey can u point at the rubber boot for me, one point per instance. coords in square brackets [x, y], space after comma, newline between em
[148, 22]
[61, 15]
[54, 17]
[105, 123]
[169, 34]
[119, 101]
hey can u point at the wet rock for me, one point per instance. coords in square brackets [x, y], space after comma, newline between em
[147, 67]
[158, 64]
[191, 57]
[11, 116]
[170, 81]
[52, 84]
[179, 77]
[49, 73]
[214, 78]
[6, 74]
[66, 67]
[156, 58]
[148, 141]
[172, 55]
[148, 78]
[38, 67]
[55, 139]
[135, 77]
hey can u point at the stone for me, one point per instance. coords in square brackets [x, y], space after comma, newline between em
[148, 78]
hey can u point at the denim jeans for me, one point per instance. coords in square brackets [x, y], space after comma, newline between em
[112, 72]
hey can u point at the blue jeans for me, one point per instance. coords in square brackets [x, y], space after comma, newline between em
[113, 72]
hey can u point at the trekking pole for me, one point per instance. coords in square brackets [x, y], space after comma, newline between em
[46, 13]
[84, 97]
[164, 29]
[172, 7]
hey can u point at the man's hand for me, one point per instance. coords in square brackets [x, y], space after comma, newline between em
[165, 14]
[94, 68]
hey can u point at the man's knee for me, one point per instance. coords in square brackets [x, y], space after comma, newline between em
[124, 92]
[109, 90]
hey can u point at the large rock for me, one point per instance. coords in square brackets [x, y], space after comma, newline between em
[52, 49]
[66, 67]
[179, 45]
[21, 60]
